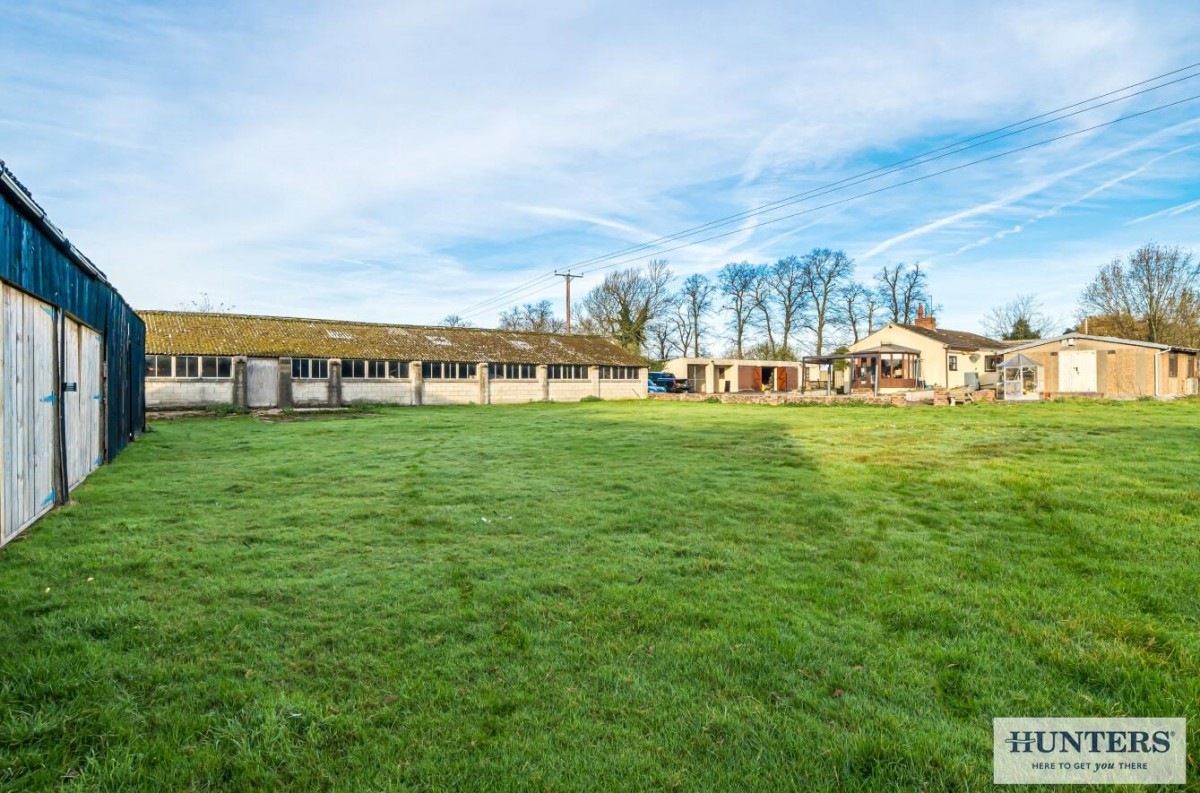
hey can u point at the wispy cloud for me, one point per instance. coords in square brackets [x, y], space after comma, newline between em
[1169, 212]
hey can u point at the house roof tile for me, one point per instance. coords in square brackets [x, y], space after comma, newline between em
[956, 339]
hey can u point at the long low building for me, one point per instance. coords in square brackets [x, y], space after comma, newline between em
[196, 359]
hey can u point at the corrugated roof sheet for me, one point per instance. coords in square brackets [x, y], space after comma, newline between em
[1031, 343]
[958, 339]
[197, 333]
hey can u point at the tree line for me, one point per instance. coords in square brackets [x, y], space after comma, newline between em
[793, 306]
[815, 304]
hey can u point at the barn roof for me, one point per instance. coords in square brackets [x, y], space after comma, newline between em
[955, 339]
[1030, 344]
[199, 333]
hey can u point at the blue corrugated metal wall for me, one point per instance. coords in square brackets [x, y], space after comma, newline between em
[30, 260]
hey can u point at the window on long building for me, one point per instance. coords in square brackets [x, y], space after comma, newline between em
[158, 366]
[373, 369]
[218, 367]
[567, 371]
[1173, 365]
[618, 372]
[210, 367]
[187, 366]
[310, 369]
[447, 370]
[512, 371]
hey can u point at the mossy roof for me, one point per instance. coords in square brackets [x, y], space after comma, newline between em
[200, 333]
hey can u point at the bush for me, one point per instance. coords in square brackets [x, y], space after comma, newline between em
[713, 400]
[592, 398]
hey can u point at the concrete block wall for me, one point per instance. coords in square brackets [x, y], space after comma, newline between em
[310, 393]
[509, 392]
[569, 390]
[451, 392]
[188, 393]
[385, 391]
[624, 389]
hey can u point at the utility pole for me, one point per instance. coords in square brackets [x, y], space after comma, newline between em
[569, 278]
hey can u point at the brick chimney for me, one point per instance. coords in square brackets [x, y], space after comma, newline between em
[925, 320]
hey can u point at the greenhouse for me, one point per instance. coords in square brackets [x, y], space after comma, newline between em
[1021, 378]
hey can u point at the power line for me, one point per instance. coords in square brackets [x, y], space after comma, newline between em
[903, 184]
[956, 147]
[915, 160]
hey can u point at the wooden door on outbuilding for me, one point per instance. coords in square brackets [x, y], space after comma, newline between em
[27, 400]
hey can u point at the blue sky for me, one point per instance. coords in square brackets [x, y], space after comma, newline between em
[401, 162]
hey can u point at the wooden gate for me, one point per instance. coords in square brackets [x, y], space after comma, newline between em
[27, 358]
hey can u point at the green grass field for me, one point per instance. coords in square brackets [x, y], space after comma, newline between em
[602, 596]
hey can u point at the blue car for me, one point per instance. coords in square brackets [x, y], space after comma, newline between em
[654, 388]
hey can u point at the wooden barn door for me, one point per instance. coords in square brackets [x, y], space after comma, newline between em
[81, 366]
[27, 400]
[262, 382]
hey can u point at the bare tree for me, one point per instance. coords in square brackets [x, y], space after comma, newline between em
[629, 300]
[695, 300]
[901, 288]
[682, 329]
[1020, 318]
[204, 305]
[737, 282]
[538, 317]
[857, 309]
[1151, 295]
[456, 321]
[787, 279]
[825, 275]
[660, 340]
[762, 317]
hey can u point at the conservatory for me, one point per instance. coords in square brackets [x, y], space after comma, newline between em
[1021, 377]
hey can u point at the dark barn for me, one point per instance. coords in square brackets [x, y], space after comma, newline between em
[70, 360]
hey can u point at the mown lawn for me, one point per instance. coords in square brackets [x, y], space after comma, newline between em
[602, 596]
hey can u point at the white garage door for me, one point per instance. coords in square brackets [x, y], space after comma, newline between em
[1077, 371]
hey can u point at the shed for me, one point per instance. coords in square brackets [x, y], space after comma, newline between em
[1078, 364]
[70, 363]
